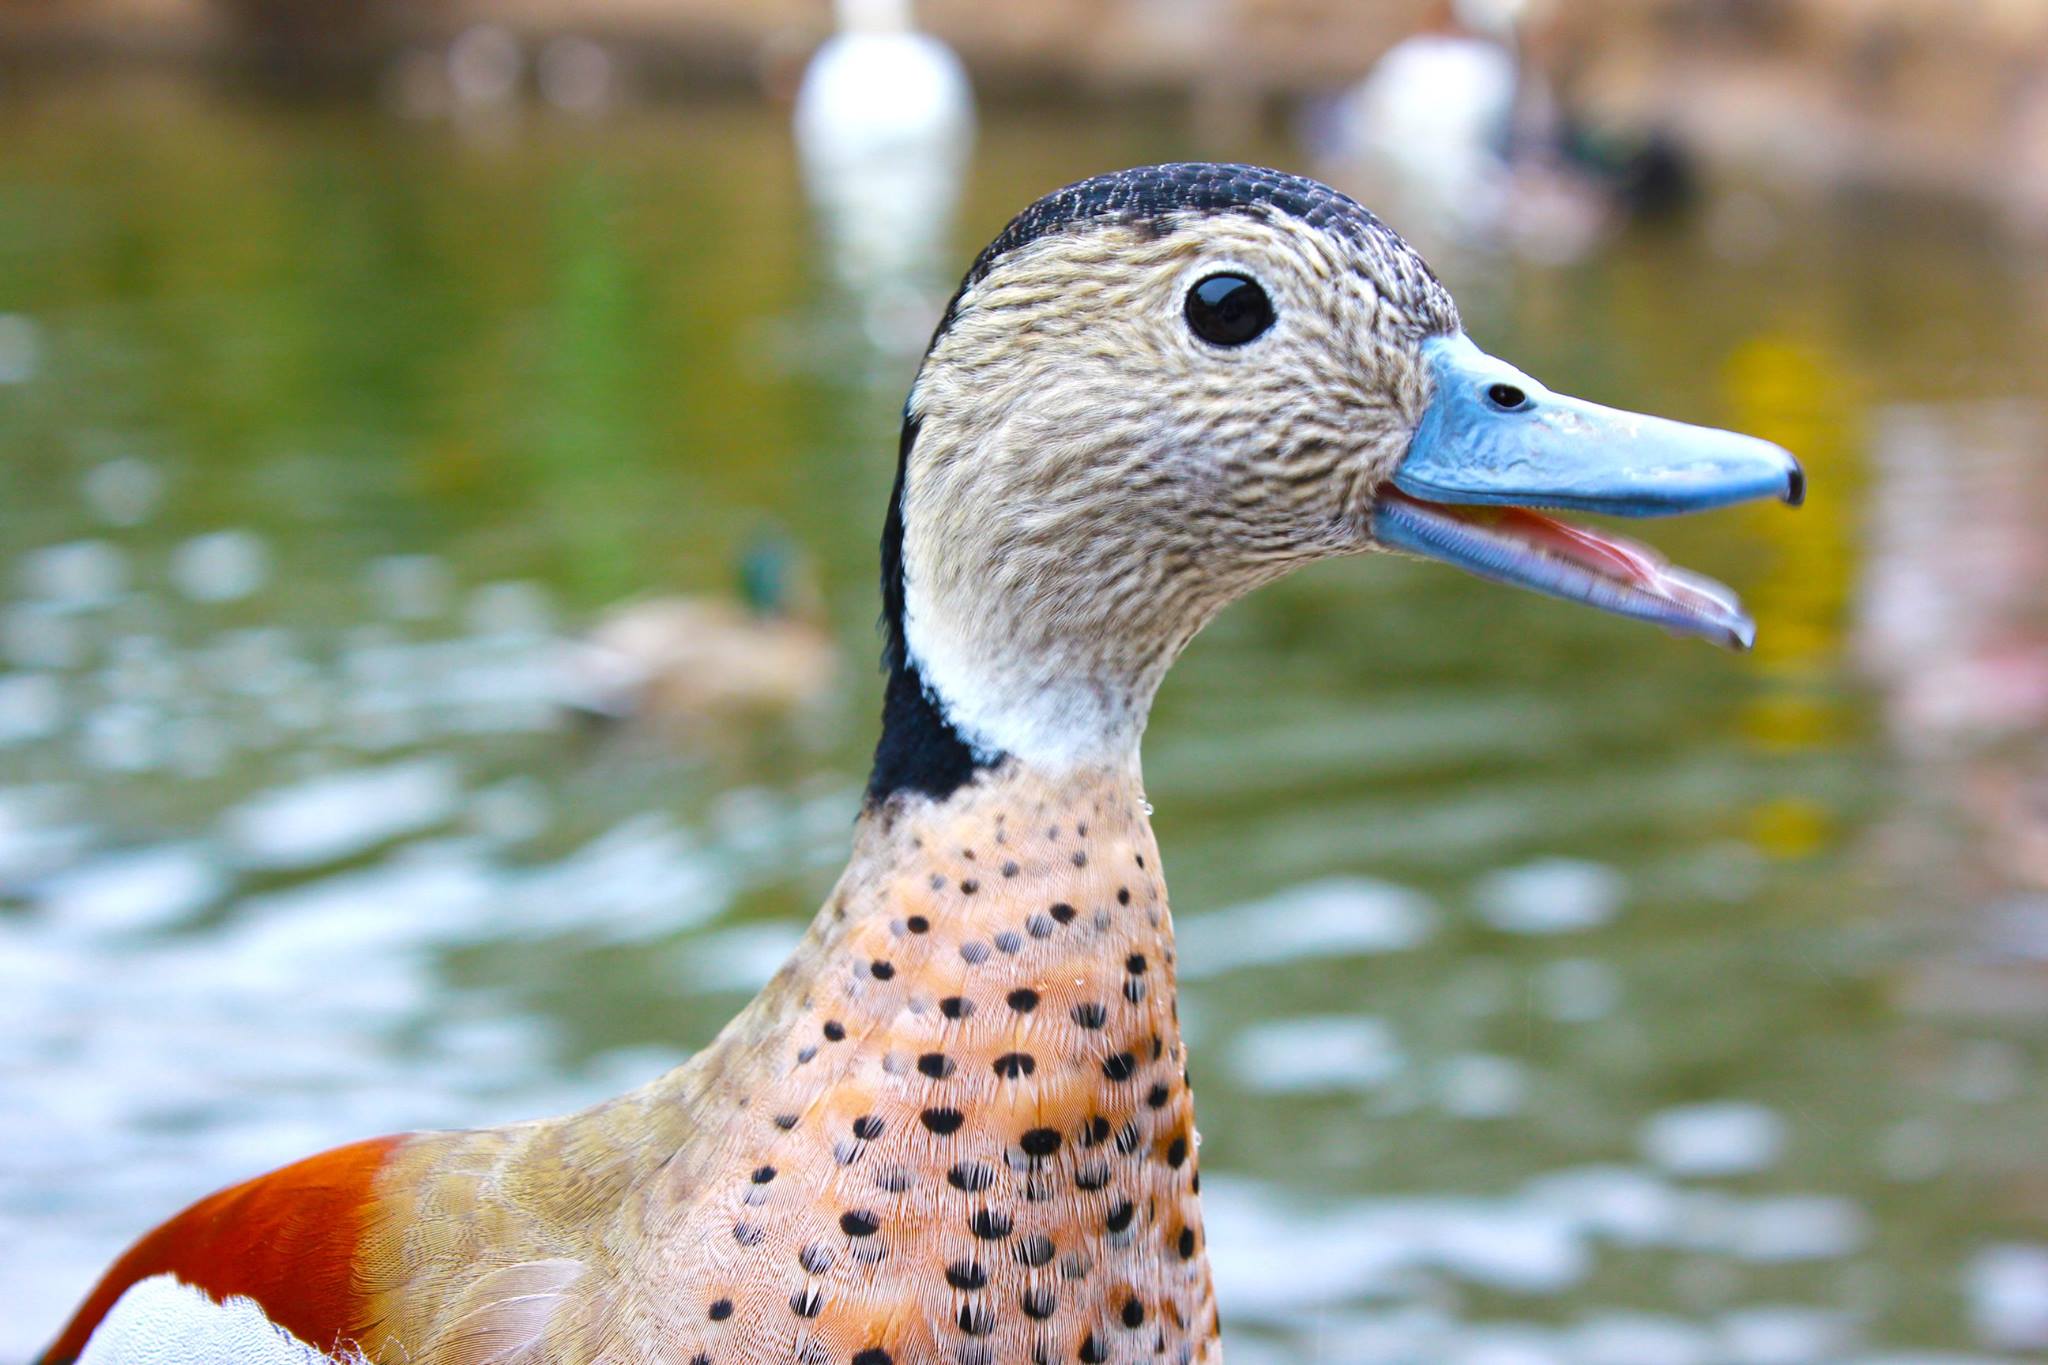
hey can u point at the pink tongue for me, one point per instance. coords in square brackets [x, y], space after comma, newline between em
[1637, 565]
[1623, 559]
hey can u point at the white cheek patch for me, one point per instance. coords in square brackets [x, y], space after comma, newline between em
[162, 1321]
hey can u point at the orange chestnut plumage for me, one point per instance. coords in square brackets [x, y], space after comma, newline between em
[287, 1240]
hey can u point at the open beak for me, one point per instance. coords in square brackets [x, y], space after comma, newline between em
[1494, 445]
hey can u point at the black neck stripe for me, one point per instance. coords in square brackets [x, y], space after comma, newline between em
[919, 750]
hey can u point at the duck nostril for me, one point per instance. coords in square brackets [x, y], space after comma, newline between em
[1506, 397]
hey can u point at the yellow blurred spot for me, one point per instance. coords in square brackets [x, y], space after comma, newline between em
[1792, 722]
[1791, 827]
[1799, 395]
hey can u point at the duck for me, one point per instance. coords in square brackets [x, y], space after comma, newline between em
[695, 666]
[956, 1125]
[884, 125]
[1460, 127]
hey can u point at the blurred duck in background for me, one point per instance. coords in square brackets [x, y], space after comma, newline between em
[884, 125]
[692, 667]
[1459, 130]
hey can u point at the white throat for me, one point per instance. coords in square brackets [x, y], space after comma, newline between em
[1055, 710]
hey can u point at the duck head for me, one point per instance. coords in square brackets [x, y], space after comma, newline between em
[1157, 390]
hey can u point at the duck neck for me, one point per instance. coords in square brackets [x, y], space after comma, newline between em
[970, 1090]
[999, 650]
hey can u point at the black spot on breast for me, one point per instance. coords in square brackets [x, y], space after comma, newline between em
[867, 1127]
[1080, 858]
[971, 1176]
[1133, 1314]
[859, 1223]
[1040, 1142]
[1177, 1152]
[1120, 1067]
[881, 969]
[721, 1309]
[966, 1275]
[1023, 999]
[977, 1319]
[1090, 1015]
[873, 1355]
[1039, 1304]
[918, 924]
[1135, 963]
[1123, 895]
[785, 1121]
[1091, 1351]
[943, 1121]
[1062, 912]
[807, 1301]
[969, 887]
[1015, 1065]
[936, 1065]
[804, 1054]
[1186, 1245]
[1120, 1216]
[1157, 1096]
[956, 1007]
[815, 1258]
[834, 1030]
[1093, 1176]
[990, 1225]
[763, 1174]
[1096, 1133]
[746, 1234]
[1034, 1251]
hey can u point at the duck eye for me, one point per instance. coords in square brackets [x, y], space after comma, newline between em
[1228, 310]
[1506, 397]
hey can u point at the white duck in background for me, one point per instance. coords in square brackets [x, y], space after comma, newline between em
[1433, 117]
[884, 125]
[1458, 131]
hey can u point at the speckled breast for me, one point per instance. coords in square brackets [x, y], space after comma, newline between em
[969, 1136]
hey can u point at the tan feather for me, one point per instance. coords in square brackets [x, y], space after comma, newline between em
[512, 1310]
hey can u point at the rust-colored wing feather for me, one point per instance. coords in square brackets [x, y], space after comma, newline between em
[287, 1240]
